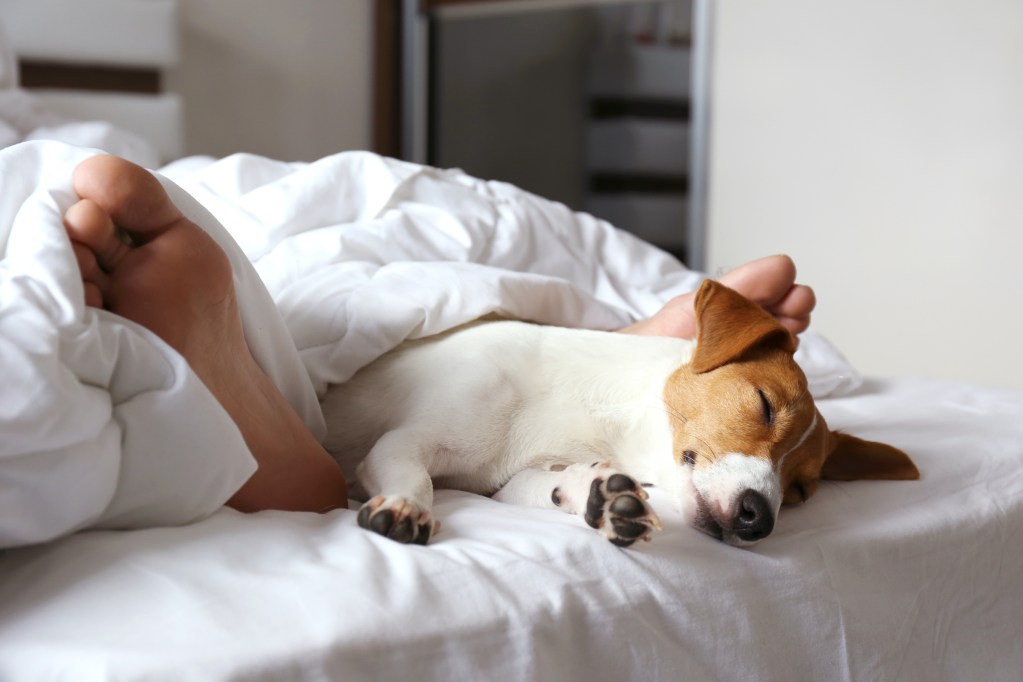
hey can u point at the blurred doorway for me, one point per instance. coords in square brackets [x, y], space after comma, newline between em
[599, 104]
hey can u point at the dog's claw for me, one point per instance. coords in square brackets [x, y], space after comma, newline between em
[617, 508]
[398, 519]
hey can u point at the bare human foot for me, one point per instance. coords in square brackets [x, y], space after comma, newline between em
[769, 281]
[172, 278]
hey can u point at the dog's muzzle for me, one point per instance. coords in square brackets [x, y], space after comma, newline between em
[750, 519]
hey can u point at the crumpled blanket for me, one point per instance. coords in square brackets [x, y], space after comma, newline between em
[336, 262]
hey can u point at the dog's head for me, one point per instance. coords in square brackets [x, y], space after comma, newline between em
[746, 428]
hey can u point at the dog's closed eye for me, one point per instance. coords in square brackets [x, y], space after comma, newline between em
[766, 409]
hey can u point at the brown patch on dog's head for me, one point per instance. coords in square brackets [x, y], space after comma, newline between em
[745, 425]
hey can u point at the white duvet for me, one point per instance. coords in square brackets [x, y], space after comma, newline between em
[103, 426]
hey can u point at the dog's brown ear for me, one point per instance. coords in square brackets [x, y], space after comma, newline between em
[854, 459]
[729, 325]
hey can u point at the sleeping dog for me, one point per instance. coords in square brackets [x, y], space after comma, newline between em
[581, 420]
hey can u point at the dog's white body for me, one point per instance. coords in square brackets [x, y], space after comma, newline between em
[576, 420]
[493, 400]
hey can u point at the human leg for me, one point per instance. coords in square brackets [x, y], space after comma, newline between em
[175, 280]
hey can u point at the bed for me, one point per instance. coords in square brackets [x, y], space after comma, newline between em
[140, 573]
[908, 580]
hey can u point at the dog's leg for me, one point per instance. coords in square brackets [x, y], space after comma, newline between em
[398, 480]
[608, 500]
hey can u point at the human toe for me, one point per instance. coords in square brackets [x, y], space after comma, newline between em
[794, 310]
[90, 226]
[128, 193]
[798, 302]
[765, 280]
[94, 280]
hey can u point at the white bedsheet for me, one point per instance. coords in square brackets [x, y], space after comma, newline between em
[103, 425]
[868, 581]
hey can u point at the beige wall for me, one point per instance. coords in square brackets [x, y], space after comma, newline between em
[289, 80]
[880, 142]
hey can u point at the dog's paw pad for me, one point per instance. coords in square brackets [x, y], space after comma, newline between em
[620, 483]
[617, 508]
[398, 519]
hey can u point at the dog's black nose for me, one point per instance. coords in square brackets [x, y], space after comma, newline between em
[753, 517]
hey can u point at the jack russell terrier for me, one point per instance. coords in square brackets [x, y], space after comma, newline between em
[581, 420]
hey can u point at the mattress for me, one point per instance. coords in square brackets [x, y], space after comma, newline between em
[868, 580]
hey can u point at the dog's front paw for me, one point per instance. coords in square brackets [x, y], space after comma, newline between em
[617, 508]
[397, 518]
